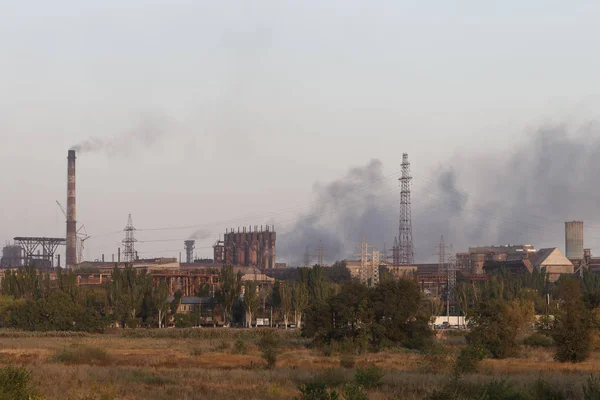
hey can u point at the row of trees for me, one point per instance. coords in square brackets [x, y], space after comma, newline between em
[503, 309]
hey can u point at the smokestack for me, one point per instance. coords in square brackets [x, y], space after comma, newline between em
[71, 253]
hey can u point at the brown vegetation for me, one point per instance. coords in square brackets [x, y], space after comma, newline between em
[196, 364]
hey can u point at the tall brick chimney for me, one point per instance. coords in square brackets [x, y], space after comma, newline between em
[71, 254]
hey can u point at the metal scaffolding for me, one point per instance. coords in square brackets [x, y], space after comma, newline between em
[31, 244]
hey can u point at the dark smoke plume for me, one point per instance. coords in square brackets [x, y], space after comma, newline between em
[344, 211]
[200, 235]
[149, 130]
[522, 196]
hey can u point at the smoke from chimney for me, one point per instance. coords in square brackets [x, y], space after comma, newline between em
[149, 130]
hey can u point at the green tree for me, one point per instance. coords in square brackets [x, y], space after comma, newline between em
[230, 290]
[160, 294]
[399, 314]
[127, 292]
[250, 301]
[300, 301]
[285, 294]
[498, 317]
[573, 324]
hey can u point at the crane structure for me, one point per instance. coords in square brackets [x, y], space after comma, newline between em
[82, 235]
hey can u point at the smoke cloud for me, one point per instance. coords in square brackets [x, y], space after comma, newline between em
[146, 133]
[522, 196]
[200, 235]
[344, 210]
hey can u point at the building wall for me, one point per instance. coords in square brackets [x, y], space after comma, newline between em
[478, 256]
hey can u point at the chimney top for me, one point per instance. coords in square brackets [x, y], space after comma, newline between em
[71, 153]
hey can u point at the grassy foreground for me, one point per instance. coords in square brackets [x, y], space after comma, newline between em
[226, 363]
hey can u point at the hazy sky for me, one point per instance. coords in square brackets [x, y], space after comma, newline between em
[254, 102]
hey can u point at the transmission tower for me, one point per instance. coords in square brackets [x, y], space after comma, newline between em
[405, 240]
[451, 275]
[396, 252]
[441, 253]
[364, 260]
[306, 258]
[129, 242]
[320, 254]
[375, 267]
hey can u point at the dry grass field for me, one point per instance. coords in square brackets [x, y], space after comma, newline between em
[214, 364]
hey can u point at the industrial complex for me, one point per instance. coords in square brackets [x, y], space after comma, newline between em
[251, 250]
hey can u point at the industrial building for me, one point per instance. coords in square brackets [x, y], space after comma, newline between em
[479, 256]
[12, 256]
[247, 247]
[554, 261]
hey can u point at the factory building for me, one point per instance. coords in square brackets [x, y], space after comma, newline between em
[554, 261]
[247, 247]
[12, 256]
[479, 256]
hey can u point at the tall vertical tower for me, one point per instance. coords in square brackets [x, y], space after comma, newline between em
[405, 241]
[71, 252]
[574, 239]
[190, 245]
[129, 242]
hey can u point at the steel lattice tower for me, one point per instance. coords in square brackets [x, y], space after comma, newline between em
[129, 242]
[405, 240]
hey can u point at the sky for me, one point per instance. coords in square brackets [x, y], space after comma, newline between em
[214, 115]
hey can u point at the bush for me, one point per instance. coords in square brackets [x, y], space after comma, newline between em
[591, 389]
[538, 340]
[332, 377]
[240, 347]
[149, 379]
[352, 391]
[223, 346]
[369, 377]
[544, 390]
[467, 359]
[501, 390]
[197, 351]
[269, 346]
[15, 384]
[347, 361]
[82, 355]
[317, 391]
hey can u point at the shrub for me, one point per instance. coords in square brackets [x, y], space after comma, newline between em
[544, 390]
[500, 390]
[538, 340]
[347, 361]
[240, 347]
[197, 351]
[317, 391]
[82, 355]
[332, 377]
[15, 384]
[149, 379]
[269, 346]
[223, 346]
[591, 389]
[467, 359]
[369, 377]
[352, 391]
